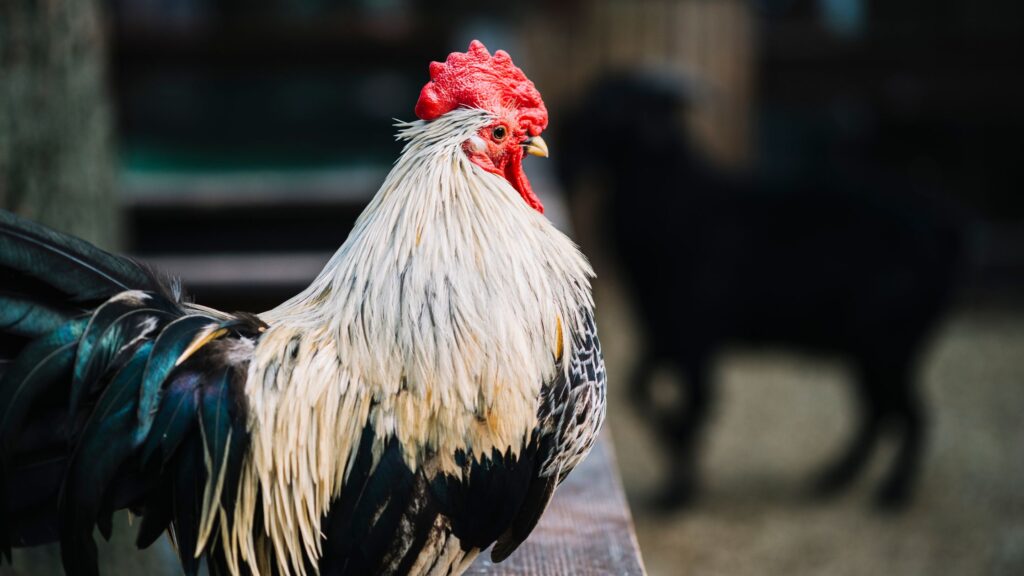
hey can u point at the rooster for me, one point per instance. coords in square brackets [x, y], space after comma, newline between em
[419, 402]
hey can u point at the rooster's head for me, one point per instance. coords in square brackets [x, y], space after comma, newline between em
[476, 79]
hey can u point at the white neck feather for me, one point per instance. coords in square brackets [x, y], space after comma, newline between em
[448, 272]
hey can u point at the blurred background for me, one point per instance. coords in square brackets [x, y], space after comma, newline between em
[795, 208]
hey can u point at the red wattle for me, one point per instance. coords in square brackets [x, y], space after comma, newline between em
[516, 176]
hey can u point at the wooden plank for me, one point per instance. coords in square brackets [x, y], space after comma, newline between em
[587, 530]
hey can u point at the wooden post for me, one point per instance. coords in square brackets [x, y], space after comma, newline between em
[56, 156]
[57, 167]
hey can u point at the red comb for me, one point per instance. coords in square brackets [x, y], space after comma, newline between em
[475, 79]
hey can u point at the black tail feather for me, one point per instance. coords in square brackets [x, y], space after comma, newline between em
[99, 411]
[75, 267]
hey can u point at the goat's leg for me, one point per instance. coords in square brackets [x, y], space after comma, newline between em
[871, 409]
[640, 384]
[682, 432]
[906, 414]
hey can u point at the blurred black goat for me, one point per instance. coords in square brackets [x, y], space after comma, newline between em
[837, 265]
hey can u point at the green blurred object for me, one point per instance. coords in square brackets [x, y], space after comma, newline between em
[117, 557]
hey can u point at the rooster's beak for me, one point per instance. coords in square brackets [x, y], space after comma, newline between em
[536, 146]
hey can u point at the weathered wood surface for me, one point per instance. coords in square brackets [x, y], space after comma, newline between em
[587, 530]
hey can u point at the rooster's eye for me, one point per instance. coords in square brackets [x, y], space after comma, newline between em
[499, 133]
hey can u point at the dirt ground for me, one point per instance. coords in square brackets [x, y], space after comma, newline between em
[781, 416]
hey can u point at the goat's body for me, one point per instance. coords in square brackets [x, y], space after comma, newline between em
[824, 276]
[859, 269]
